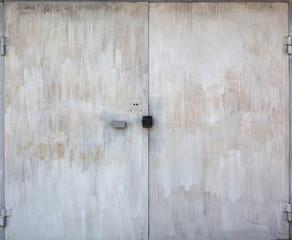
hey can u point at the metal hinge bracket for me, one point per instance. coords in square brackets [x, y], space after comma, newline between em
[4, 42]
[4, 214]
[287, 208]
[288, 43]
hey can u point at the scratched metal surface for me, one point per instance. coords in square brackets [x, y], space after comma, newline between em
[219, 97]
[71, 69]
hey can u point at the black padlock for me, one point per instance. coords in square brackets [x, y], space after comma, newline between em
[147, 122]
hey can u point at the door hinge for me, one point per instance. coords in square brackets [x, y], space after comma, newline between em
[4, 214]
[4, 42]
[287, 208]
[288, 43]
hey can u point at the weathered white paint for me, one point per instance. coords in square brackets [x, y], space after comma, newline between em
[71, 69]
[219, 97]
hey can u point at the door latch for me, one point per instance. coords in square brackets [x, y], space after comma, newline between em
[118, 124]
[147, 122]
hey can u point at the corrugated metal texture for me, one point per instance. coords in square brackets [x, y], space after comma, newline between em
[219, 97]
[73, 68]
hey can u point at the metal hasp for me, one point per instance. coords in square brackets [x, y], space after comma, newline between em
[288, 43]
[118, 124]
[4, 214]
[288, 209]
[147, 122]
[4, 42]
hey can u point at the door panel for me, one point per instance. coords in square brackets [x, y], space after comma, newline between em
[72, 69]
[219, 97]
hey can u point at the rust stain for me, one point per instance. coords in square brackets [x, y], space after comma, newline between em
[60, 150]
[82, 157]
[93, 156]
[231, 76]
[188, 104]
[96, 155]
[235, 97]
[44, 150]
[41, 151]
[73, 154]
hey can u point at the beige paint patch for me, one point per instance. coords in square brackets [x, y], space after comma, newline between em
[60, 150]
[41, 151]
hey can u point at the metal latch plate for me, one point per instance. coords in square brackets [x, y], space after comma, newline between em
[118, 124]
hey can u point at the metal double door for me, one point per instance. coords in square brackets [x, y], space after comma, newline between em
[214, 76]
